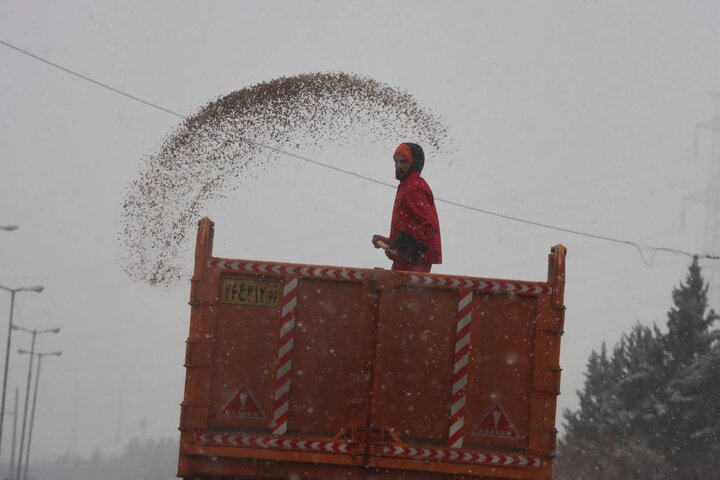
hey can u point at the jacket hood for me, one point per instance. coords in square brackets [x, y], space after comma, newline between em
[416, 155]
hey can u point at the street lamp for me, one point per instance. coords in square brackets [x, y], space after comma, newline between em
[13, 291]
[9, 228]
[14, 435]
[32, 415]
[34, 333]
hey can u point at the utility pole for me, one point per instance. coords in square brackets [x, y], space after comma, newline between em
[34, 334]
[14, 437]
[14, 413]
[12, 291]
[707, 147]
[34, 403]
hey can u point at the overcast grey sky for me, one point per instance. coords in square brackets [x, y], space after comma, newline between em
[576, 114]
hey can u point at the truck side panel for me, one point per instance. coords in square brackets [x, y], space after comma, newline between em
[306, 371]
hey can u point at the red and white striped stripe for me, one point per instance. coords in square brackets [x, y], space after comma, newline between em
[253, 441]
[240, 440]
[357, 275]
[479, 285]
[507, 460]
[460, 368]
[284, 357]
[349, 274]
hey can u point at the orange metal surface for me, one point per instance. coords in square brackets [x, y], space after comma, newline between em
[358, 372]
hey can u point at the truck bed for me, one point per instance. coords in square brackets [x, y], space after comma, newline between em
[320, 372]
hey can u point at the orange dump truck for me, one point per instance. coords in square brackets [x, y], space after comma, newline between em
[316, 372]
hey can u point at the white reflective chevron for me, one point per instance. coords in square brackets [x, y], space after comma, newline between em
[285, 367]
[462, 361]
[286, 348]
[464, 302]
[455, 427]
[287, 308]
[457, 406]
[283, 407]
[459, 384]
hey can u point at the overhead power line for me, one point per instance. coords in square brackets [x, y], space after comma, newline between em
[88, 79]
[640, 247]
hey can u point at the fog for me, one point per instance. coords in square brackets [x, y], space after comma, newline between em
[581, 115]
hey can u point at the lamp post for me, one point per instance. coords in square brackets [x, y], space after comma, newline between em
[32, 414]
[9, 228]
[34, 334]
[14, 436]
[13, 291]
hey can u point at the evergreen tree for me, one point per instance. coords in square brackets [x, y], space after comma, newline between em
[588, 432]
[610, 435]
[650, 410]
[690, 358]
[689, 334]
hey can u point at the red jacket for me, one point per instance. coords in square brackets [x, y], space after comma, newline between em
[414, 214]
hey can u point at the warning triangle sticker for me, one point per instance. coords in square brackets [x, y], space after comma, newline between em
[496, 424]
[242, 405]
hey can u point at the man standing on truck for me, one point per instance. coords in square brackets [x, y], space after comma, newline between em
[414, 242]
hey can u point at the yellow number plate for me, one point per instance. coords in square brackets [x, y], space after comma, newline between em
[246, 291]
